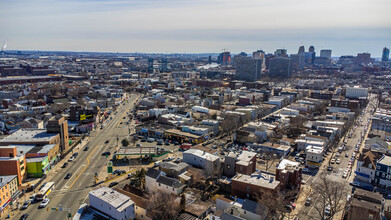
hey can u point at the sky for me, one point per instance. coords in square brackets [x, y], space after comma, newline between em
[347, 27]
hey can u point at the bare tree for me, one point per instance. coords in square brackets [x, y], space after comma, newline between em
[274, 204]
[163, 206]
[229, 124]
[331, 196]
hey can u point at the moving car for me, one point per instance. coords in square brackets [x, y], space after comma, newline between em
[68, 176]
[113, 184]
[107, 141]
[86, 148]
[106, 153]
[44, 203]
[71, 159]
[75, 155]
[64, 165]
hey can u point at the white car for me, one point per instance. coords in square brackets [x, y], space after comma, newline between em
[345, 174]
[71, 159]
[44, 203]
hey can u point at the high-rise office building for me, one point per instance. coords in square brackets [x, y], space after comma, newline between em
[280, 67]
[150, 65]
[385, 55]
[280, 52]
[209, 59]
[164, 65]
[301, 49]
[311, 49]
[325, 53]
[224, 58]
[260, 55]
[247, 68]
[363, 58]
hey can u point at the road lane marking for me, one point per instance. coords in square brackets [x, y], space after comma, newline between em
[66, 184]
[88, 163]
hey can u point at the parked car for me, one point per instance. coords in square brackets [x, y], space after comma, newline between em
[330, 168]
[64, 165]
[119, 172]
[26, 204]
[167, 142]
[68, 176]
[113, 184]
[347, 155]
[44, 203]
[107, 141]
[338, 161]
[332, 161]
[159, 142]
[130, 175]
[177, 160]
[356, 184]
[71, 159]
[306, 170]
[75, 155]
[150, 140]
[308, 201]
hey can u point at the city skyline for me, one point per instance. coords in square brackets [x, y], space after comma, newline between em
[172, 26]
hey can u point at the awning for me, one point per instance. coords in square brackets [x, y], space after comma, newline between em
[362, 174]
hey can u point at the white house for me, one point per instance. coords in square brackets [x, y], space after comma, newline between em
[201, 159]
[112, 203]
[314, 156]
[157, 181]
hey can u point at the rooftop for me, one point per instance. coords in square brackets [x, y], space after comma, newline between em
[29, 135]
[6, 179]
[117, 200]
[258, 179]
[386, 160]
[202, 154]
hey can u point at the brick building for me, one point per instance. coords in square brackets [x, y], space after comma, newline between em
[11, 163]
[352, 105]
[289, 174]
[250, 186]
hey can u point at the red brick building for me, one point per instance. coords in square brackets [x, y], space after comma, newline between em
[289, 174]
[246, 186]
[11, 163]
[352, 105]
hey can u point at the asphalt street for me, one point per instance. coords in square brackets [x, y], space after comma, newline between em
[309, 212]
[70, 193]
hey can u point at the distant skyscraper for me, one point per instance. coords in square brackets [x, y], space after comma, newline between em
[311, 49]
[363, 58]
[210, 59]
[301, 49]
[247, 68]
[224, 58]
[280, 67]
[164, 64]
[243, 54]
[150, 65]
[260, 55]
[280, 52]
[325, 53]
[386, 55]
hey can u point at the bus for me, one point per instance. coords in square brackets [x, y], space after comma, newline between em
[45, 190]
